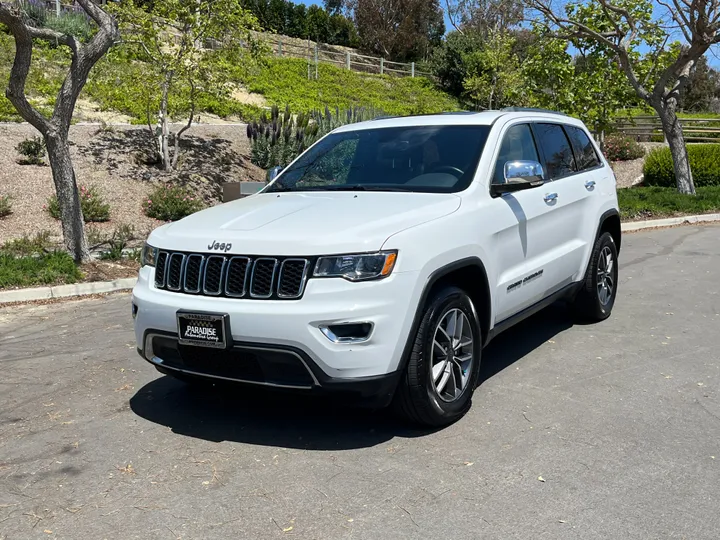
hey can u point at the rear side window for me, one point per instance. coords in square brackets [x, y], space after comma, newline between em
[559, 157]
[585, 154]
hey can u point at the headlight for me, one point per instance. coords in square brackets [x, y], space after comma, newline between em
[149, 255]
[357, 267]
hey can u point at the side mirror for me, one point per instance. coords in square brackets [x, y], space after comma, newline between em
[273, 173]
[520, 175]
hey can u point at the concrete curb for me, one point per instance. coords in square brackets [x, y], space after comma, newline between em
[62, 291]
[668, 222]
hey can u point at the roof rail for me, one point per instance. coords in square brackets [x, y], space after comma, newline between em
[531, 109]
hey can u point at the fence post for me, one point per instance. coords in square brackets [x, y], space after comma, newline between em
[382, 66]
[412, 69]
[316, 61]
[347, 59]
[280, 47]
[57, 8]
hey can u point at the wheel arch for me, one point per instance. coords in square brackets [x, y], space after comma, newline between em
[610, 222]
[468, 274]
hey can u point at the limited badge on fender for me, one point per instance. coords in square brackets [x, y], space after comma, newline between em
[203, 329]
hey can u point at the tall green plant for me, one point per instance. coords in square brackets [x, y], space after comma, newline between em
[280, 138]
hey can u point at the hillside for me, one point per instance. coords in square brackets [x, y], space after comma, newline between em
[117, 83]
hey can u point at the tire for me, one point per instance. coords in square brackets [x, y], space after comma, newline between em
[421, 398]
[596, 298]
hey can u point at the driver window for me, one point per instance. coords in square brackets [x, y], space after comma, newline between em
[518, 145]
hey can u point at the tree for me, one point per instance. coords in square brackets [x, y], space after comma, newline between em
[55, 129]
[622, 27]
[484, 16]
[170, 40]
[494, 77]
[702, 89]
[398, 29]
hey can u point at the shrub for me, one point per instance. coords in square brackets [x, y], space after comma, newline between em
[28, 245]
[94, 208]
[650, 202]
[704, 164]
[116, 242]
[170, 203]
[48, 268]
[5, 206]
[278, 140]
[33, 150]
[618, 147]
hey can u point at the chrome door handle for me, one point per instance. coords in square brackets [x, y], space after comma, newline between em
[590, 184]
[550, 197]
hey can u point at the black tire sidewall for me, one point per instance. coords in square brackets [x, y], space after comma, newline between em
[606, 240]
[447, 299]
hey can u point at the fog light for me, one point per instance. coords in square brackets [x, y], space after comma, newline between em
[348, 332]
[134, 310]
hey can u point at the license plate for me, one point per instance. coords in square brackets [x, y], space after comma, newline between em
[203, 329]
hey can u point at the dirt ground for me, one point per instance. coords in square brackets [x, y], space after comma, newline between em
[115, 161]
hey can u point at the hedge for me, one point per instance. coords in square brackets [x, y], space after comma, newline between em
[704, 164]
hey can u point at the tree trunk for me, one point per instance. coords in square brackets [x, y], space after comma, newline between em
[672, 129]
[71, 215]
[164, 138]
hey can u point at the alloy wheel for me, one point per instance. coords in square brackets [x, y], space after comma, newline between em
[452, 355]
[606, 276]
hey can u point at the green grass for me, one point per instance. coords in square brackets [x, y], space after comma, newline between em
[625, 113]
[658, 202]
[46, 269]
[284, 81]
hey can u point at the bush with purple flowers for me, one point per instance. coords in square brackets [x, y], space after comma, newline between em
[170, 203]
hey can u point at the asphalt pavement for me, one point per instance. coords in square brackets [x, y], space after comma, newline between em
[597, 431]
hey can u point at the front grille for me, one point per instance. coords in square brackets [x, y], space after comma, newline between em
[232, 276]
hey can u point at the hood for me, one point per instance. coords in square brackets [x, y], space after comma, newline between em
[304, 223]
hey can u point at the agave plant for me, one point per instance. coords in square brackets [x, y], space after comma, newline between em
[281, 137]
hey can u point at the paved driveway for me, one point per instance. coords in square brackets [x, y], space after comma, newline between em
[604, 431]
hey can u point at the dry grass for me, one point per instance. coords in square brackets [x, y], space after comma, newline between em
[115, 161]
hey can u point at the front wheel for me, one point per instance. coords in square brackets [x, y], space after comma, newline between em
[596, 298]
[444, 364]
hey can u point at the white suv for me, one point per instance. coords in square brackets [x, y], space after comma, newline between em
[382, 260]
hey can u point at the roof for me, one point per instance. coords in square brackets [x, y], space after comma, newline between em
[459, 118]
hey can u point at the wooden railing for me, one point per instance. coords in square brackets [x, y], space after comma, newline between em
[646, 128]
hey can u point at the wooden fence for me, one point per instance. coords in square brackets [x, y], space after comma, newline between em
[648, 128]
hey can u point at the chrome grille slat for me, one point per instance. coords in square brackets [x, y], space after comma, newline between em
[262, 278]
[174, 273]
[232, 276]
[291, 280]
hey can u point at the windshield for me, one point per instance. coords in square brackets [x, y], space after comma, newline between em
[439, 159]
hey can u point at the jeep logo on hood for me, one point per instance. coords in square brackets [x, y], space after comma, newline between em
[214, 245]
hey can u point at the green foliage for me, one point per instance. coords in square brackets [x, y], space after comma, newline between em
[33, 150]
[650, 202]
[115, 243]
[494, 78]
[73, 22]
[278, 140]
[29, 245]
[448, 62]
[704, 164]
[5, 206]
[94, 207]
[285, 81]
[618, 147]
[171, 203]
[45, 269]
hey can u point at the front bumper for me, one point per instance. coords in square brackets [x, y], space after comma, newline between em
[269, 325]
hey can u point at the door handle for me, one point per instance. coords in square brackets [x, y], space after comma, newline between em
[590, 184]
[550, 198]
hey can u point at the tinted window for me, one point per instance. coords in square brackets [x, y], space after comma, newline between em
[415, 158]
[559, 157]
[584, 149]
[518, 144]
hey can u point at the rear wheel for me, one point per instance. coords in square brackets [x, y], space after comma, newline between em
[444, 364]
[596, 298]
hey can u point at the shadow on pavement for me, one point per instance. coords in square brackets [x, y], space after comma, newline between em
[257, 416]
